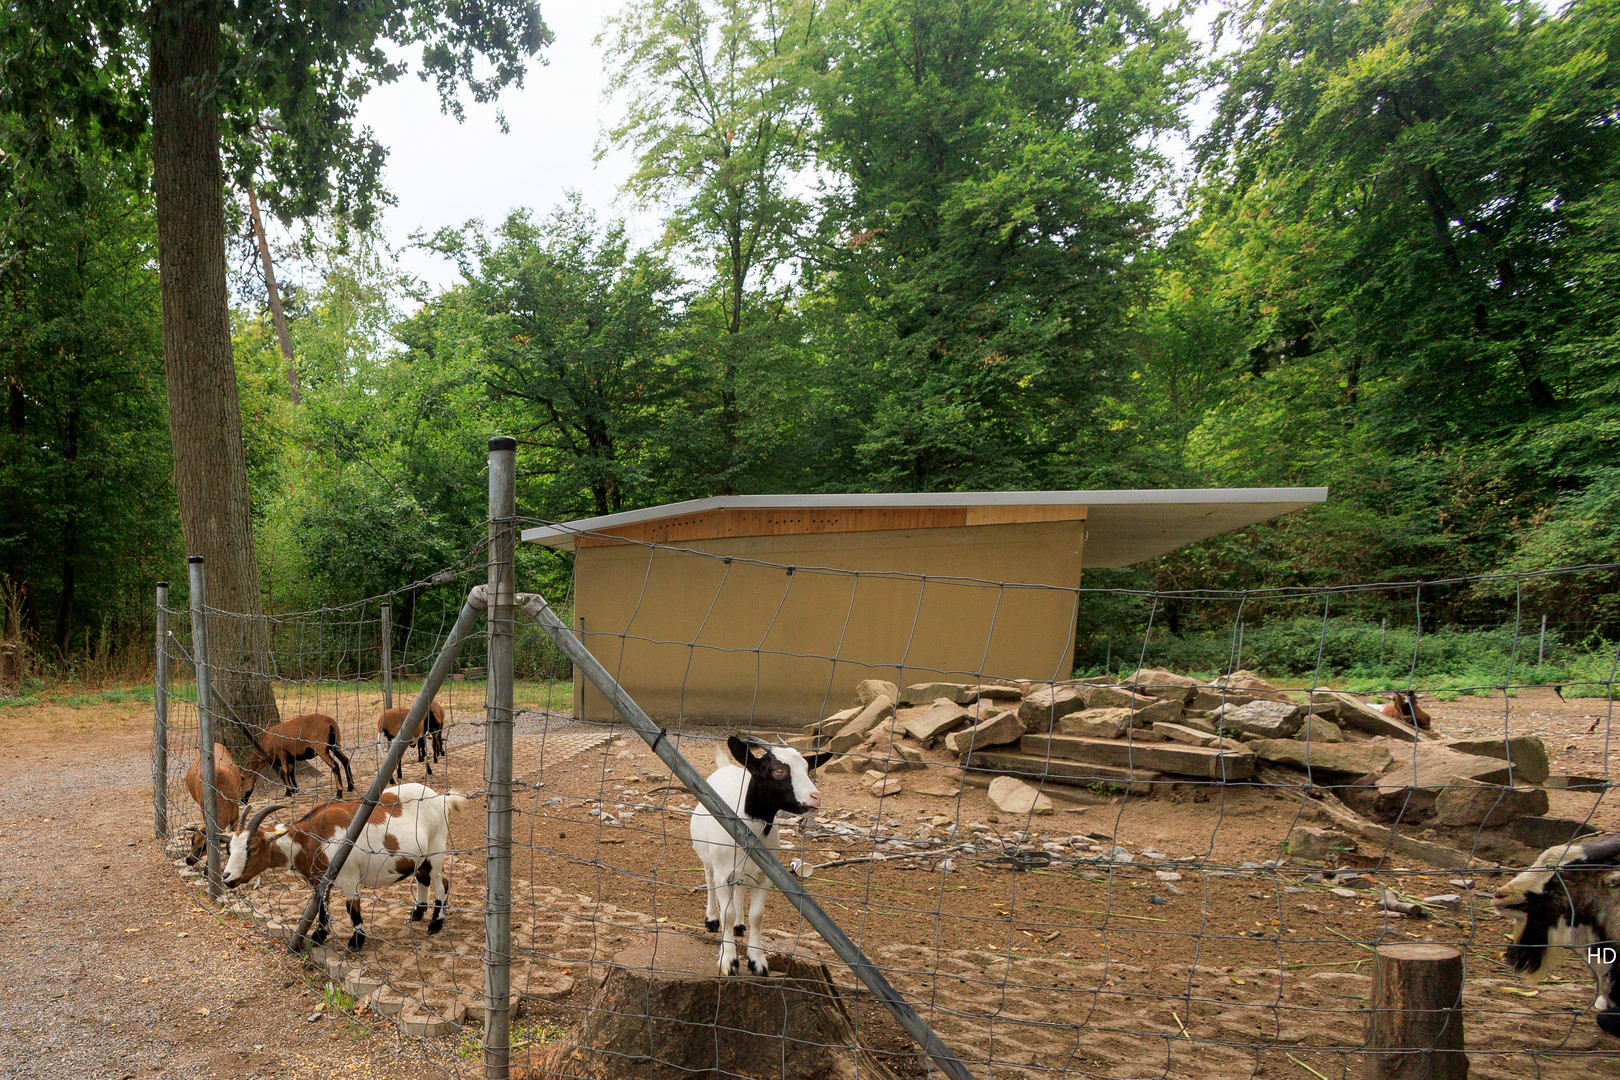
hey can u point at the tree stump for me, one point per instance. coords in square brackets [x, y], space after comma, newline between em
[661, 1010]
[1415, 1027]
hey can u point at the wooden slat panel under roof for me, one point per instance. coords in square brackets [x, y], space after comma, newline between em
[797, 521]
[1122, 527]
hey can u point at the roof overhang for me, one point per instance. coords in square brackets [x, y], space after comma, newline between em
[1122, 527]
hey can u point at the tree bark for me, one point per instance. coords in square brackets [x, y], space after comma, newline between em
[70, 532]
[205, 422]
[278, 318]
[1415, 1025]
[654, 1016]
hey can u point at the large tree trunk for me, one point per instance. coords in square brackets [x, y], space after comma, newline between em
[205, 421]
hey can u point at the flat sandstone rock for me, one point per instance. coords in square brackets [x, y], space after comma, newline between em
[997, 730]
[1013, 796]
[1488, 805]
[945, 716]
[1044, 706]
[1526, 753]
[1337, 759]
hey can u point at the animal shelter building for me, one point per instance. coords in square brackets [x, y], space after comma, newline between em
[767, 610]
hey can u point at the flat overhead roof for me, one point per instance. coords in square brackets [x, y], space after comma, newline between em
[1122, 527]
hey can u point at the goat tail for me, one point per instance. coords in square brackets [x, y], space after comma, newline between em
[454, 801]
[722, 756]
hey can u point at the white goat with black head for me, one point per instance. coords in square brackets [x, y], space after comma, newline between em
[1570, 896]
[765, 780]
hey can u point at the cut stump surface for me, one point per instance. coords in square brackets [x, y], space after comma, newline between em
[660, 1010]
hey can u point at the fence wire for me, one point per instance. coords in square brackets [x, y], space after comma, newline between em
[1172, 860]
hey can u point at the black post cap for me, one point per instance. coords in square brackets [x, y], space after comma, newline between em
[163, 584]
[194, 559]
[503, 442]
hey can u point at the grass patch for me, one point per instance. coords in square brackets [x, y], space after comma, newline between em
[338, 998]
[523, 1036]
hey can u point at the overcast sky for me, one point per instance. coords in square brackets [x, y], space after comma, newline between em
[444, 173]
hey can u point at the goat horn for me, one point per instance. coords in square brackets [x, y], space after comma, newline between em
[259, 815]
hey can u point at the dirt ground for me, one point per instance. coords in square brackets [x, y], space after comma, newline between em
[116, 968]
[1181, 963]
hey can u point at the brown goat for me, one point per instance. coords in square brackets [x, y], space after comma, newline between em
[1403, 706]
[231, 795]
[285, 744]
[388, 725]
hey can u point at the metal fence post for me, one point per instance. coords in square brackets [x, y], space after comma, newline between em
[408, 729]
[620, 703]
[1541, 647]
[388, 655]
[498, 760]
[205, 721]
[160, 719]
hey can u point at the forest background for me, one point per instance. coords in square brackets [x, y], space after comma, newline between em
[902, 245]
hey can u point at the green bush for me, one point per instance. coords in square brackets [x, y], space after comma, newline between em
[1362, 656]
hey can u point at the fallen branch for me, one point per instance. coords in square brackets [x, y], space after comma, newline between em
[1391, 902]
[1437, 854]
[934, 854]
[1304, 1066]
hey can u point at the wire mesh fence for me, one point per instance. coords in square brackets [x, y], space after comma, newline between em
[1148, 866]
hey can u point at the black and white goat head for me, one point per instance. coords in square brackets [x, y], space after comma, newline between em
[764, 781]
[1570, 896]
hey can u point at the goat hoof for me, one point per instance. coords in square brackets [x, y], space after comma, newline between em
[417, 912]
[739, 931]
[731, 968]
[757, 969]
[357, 942]
[435, 926]
[711, 925]
[318, 937]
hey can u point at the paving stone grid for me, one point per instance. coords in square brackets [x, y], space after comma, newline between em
[428, 996]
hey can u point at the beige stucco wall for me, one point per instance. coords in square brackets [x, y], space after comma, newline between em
[697, 639]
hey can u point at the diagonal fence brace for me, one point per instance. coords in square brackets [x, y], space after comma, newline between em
[947, 1061]
[470, 612]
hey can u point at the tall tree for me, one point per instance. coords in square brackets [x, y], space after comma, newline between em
[991, 230]
[85, 503]
[715, 112]
[574, 332]
[218, 74]
[1405, 199]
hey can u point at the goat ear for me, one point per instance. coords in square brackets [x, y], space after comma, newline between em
[815, 761]
[738, 748]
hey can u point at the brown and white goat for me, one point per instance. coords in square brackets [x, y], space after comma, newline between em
[406, 836]
[284, 745]
[1570, 896]
[231, 794]
[1403, 706]
[432, 728]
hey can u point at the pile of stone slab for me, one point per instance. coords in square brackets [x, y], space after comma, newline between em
[1158, 727]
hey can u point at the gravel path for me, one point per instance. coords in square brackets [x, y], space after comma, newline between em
[112, 965]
